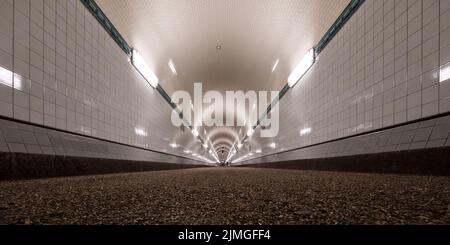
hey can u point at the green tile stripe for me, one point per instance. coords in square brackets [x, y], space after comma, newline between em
[338, 24]
[107, 25]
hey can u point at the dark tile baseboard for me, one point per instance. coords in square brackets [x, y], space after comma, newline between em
[15, 166]
[434, 161]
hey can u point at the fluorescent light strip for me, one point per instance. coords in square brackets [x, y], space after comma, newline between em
[250, 132]
[172, 67]
[301, 68]
[140, 132]
[444, 73]
[195, 132]
[139, 63]
[275, 65]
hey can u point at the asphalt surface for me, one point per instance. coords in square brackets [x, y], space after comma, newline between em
[228, 196]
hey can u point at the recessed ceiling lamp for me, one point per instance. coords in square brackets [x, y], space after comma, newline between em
[301, 68]
[139, 63]
[172, 67]
[275, 65]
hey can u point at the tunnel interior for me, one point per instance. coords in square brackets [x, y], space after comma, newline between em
[224, 112]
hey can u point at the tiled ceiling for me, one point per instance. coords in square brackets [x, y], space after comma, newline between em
[253, 34]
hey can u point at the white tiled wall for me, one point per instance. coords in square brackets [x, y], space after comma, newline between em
[431, 133]
[389, 64]
[23, 138]
[60, 68]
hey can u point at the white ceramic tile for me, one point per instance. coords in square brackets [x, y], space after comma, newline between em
[33, 149]
[430, 109]
[36, 117]
[16, 147]
[440, 132]
[435, 143]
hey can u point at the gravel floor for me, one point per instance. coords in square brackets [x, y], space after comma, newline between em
[228, 196]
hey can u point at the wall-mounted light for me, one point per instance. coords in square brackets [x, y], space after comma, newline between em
[273, 145]
[6, 77]
[195, 132]
[140, 132]
[139, 63]
[301, 68]
[250, 132]
[173, 145]
[172, 67]
[275, 65]
[305, 131]
[444, 73]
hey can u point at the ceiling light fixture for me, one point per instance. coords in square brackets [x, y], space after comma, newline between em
[275, 65]
[172, 67]
[250, 132]
[139, 63]
[301, 68]
[218, 47]
[195, 132]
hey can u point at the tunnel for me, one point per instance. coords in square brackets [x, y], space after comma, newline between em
[224, 112]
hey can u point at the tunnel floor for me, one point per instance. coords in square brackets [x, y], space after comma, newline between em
[228, 196]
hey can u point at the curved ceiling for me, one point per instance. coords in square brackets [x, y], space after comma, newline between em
[252, 34]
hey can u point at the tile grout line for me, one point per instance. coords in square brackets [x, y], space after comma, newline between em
[43, 63]
[65, 86]
[29, 60]
[439, 56]
[439, 62]
[13, 57]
